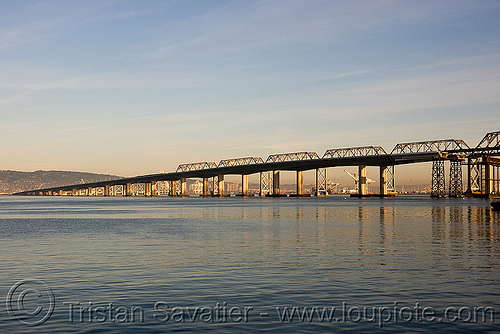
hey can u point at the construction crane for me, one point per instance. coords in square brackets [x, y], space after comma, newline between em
[355, 177]
[331, 185]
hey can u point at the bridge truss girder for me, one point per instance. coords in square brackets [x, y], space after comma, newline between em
[240, 161]
[196, 166]
[298, 156]
[430, 146]
[490, 143]
[362, 151]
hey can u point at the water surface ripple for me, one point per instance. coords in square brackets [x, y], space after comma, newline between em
[243, 264]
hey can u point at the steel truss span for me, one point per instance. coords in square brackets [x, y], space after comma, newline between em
[490, 143]
[240, 161]
[430, 146]
[196, 166]
[299, 156]
[364, 151]
[482, 170]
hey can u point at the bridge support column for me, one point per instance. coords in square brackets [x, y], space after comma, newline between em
[321, 182]
[276, 183]
[89, 191]
[455, 186]
[205, 187]
[127, 189]
[265, 183]
[154, 191]
[147, 189]
[362, 180]
[74, 192]
[173, 188]
[473, 176]
[300, 183]
[438, 181]
[215, 185]
[244, 185]
[220, 182]
[106, 190]
[488, 178]
[183, 187]
[383, 180]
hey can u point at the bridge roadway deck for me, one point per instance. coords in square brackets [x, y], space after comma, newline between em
[298, 165]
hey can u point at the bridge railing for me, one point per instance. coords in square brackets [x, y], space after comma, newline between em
[298, 156]
[195, 166]
[430, 146]
[350, 152]
[240, 161]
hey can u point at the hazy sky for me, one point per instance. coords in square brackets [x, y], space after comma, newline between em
[135, 87]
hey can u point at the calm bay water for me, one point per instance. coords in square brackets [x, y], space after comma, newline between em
[115, 265]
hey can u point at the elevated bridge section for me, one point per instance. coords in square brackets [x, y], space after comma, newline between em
[482, 171]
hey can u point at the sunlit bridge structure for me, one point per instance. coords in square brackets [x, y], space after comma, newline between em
[482, 171]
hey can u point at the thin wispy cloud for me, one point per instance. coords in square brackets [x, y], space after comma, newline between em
[202, 79]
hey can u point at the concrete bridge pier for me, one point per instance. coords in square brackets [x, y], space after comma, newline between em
[383, 180]
[488, 179]
[173, 188]
[205, 187]
[154, 191]
[362, 180]
[220, 181]
[106, 190]
[244, 185]
[472, 176]
[126, 189]
[183, 187]
[300, 183]
[276, 183]
[89, 191]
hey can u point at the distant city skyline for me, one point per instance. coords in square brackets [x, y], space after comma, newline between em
[136, 87]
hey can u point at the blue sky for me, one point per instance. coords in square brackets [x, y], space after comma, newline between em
[135, 87]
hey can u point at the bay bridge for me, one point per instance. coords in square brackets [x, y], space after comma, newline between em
[482, 171]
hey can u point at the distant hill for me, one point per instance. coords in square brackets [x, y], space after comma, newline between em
[14, 181]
